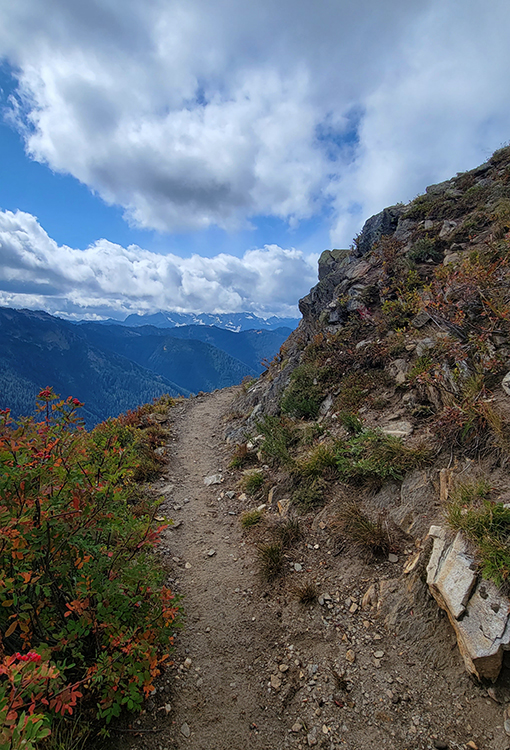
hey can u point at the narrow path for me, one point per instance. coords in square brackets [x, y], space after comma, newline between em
[255, 670]
[216, 696]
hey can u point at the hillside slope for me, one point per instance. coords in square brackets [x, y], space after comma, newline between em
[195, 365]
[37, 350]
[247, 347]
[114, 368]
[388, 410]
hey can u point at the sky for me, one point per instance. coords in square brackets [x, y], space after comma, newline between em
[199, 156]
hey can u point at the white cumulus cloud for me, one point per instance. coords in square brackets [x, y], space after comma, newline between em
[107, 279]
[191, 114]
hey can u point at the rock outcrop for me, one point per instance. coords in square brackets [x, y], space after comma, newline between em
[479, 614]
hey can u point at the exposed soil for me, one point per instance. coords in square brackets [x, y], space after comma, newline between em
[255, 668]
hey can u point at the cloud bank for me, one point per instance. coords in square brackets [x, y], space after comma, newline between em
[191, 114]
[107, 280]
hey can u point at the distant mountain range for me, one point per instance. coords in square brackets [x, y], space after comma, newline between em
[230, 321]
[112, 368]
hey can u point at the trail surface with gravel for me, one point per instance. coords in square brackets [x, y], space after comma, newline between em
[254, 668]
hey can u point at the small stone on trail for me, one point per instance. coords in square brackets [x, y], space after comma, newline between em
[312, 736]
[440, 745]
[298, 566]
[213, 479]
[379, 654]
[187, 663]
[472, 745]
[185, 730]
[230, 494]
[392, 558]
[297, 726]
[507, 726]
[276, 683]
[350, 656]
[211, 552]
[283, 667]
[187, 566]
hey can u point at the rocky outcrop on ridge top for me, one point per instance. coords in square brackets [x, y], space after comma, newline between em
[440, 228]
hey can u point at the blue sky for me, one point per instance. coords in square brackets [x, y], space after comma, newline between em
[197, 156]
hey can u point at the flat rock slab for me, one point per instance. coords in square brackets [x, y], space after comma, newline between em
[401, 429]
[479, 614]
[213, 479]
[452, 573]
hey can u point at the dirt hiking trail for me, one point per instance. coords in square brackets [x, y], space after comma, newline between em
[254, 668]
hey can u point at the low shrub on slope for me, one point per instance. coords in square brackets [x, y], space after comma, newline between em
[84, 613]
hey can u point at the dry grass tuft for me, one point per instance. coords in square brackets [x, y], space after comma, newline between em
[288, 532]
[307, 593]
[270, 557]
[363, 533]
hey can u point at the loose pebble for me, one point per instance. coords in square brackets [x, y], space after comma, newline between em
[276, 683]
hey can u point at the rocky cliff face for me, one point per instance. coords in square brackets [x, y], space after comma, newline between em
[412, 271]
[405, 338]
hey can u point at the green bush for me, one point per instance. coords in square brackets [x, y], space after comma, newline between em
[372, 536]
[251, 518]
[270, 558]
[310, 493]
[240, 458]
[279, 436]
[302, 397]
[423, 250]
[288, 532]
[321, 458]
[351, 422]
[373, 455]
[252, 482]
[77, 569]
